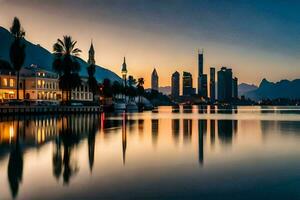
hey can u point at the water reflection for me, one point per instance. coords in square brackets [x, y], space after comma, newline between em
[154, 128]
[187, 130]
[196, 139]
[176, 130]
[202, 128]
[15, 164]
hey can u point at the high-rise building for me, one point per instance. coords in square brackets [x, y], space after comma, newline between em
[175, 87]
[212, 84]
[202, 78]
[235, 88]
[187, 84]
[91, 60]
[200, 63]
[225, 85]
[154, 80]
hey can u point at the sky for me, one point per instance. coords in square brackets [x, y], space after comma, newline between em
[256, 38]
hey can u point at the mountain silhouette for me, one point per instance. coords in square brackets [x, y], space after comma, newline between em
[282, 89]
[244, 88]
[37, 55]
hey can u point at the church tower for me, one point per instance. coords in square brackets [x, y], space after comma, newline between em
[124, 71]
[91, 60]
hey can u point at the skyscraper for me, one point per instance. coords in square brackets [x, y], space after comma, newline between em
[175, 84]
[200, 63]
[212, 84]
[225, 85]
[154, 80]
[187, 84]
[202, 78]
[235, 88]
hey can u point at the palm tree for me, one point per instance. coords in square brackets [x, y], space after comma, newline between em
[66, 64]
[140, 88]
[17, 49]
[116, 88]
[93, 84]
[131, 90]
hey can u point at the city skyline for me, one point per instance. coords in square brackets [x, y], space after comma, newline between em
[250, 50]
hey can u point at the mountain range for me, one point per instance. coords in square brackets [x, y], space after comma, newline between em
[269, 90]
[37, 55]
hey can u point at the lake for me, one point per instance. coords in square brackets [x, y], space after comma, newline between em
[168, 153]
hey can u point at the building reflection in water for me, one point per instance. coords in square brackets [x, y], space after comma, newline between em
[226, 129]
[212, 133]
[154, 128]
[187, 130]
[124, 138]
[91, 140]
[202, 129]
[73, 129]
[141, 126]
[176, 130]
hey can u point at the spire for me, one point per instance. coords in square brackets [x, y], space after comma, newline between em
[91, 60]
[154, 73]
[124, 66]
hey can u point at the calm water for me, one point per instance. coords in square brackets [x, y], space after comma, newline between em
[170, 153]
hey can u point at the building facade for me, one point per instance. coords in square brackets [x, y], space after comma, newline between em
[187, 84]
[154, 80]
[175, 87]
[212, 84]
[39, 84]
[202, 78]
[225, 85]
[235, 88]
[83, 92]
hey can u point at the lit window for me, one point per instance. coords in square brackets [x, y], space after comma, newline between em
[4, 83]
[11, 82]
[39, 83]
[43, 83]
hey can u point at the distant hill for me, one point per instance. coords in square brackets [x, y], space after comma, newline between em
[35, 54]
[243, 88]
[281, 89]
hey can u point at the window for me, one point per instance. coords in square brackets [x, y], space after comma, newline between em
[11, 82]
[43, 83]
[4, 82]
[39, 83]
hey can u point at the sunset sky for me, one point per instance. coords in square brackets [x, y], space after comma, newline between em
[257, 38]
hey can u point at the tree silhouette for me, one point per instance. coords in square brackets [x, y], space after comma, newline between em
[117, 88]
[15, 165]
[140, 88]
[131, 90]
[66, 64]
[17, 49]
